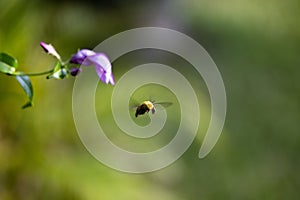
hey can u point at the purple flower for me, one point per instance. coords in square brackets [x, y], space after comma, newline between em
[49, 49]
[102, 64]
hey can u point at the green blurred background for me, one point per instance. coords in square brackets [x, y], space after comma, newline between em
[255, 45]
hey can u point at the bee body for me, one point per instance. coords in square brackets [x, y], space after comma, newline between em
[147, 106]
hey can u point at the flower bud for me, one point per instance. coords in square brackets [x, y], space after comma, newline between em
[75, 71]
[49, 49]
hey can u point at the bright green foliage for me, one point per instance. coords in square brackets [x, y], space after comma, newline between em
[8, 65]
[9, 60]
[5, 68]
[27, 87]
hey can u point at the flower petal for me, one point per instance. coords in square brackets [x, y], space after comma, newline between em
[104, 76]
[111, 79]
[48, 48]
[102, 60]
[101, 73]
[80, 57]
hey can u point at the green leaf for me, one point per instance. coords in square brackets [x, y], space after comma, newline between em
[57, 67]
[27, 87]
[28, 104]
[5, 68]
[9, 60]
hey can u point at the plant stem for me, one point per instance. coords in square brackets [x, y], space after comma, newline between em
[32, 74]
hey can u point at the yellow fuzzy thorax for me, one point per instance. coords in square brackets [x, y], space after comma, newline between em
[149, 104]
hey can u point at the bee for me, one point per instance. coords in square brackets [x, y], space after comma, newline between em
[147, 106]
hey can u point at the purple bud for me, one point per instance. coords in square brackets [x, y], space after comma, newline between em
[75, 71]
[49, 49]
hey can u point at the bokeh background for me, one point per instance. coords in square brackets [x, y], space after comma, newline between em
[255, 45]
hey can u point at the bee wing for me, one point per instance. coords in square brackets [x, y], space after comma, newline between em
[134, 107]
[164, 104]
[133, 104]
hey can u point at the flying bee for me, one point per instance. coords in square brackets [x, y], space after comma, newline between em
[147, 106]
